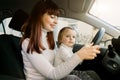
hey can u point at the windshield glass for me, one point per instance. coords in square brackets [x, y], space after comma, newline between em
[107, 10]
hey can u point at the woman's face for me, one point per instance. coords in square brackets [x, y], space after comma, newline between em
[49, 21]
[68, 37]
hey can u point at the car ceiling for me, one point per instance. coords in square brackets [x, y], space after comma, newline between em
[73, 8]
[67, 7]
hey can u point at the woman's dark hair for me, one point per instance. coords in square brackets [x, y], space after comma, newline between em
[32, 29]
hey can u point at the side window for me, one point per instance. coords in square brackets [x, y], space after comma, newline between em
[85, 32]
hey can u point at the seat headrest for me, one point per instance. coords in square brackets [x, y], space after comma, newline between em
[116, 44]
[18, 20]
[5, 13]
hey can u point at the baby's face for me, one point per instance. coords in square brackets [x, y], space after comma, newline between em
[69, 37]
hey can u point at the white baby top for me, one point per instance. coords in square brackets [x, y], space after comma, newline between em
[63, 53]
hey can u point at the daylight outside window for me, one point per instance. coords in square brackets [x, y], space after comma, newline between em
[107, 10]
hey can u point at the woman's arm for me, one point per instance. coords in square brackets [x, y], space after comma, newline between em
[43, 66]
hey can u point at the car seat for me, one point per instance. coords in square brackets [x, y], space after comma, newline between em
[11, 63]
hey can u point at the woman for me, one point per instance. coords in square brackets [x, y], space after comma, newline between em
[38, 45]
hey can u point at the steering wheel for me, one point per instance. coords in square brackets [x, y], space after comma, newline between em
[96, 40]
[98, 37]
[111, 57]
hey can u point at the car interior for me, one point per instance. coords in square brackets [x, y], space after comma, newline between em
[106, 66]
